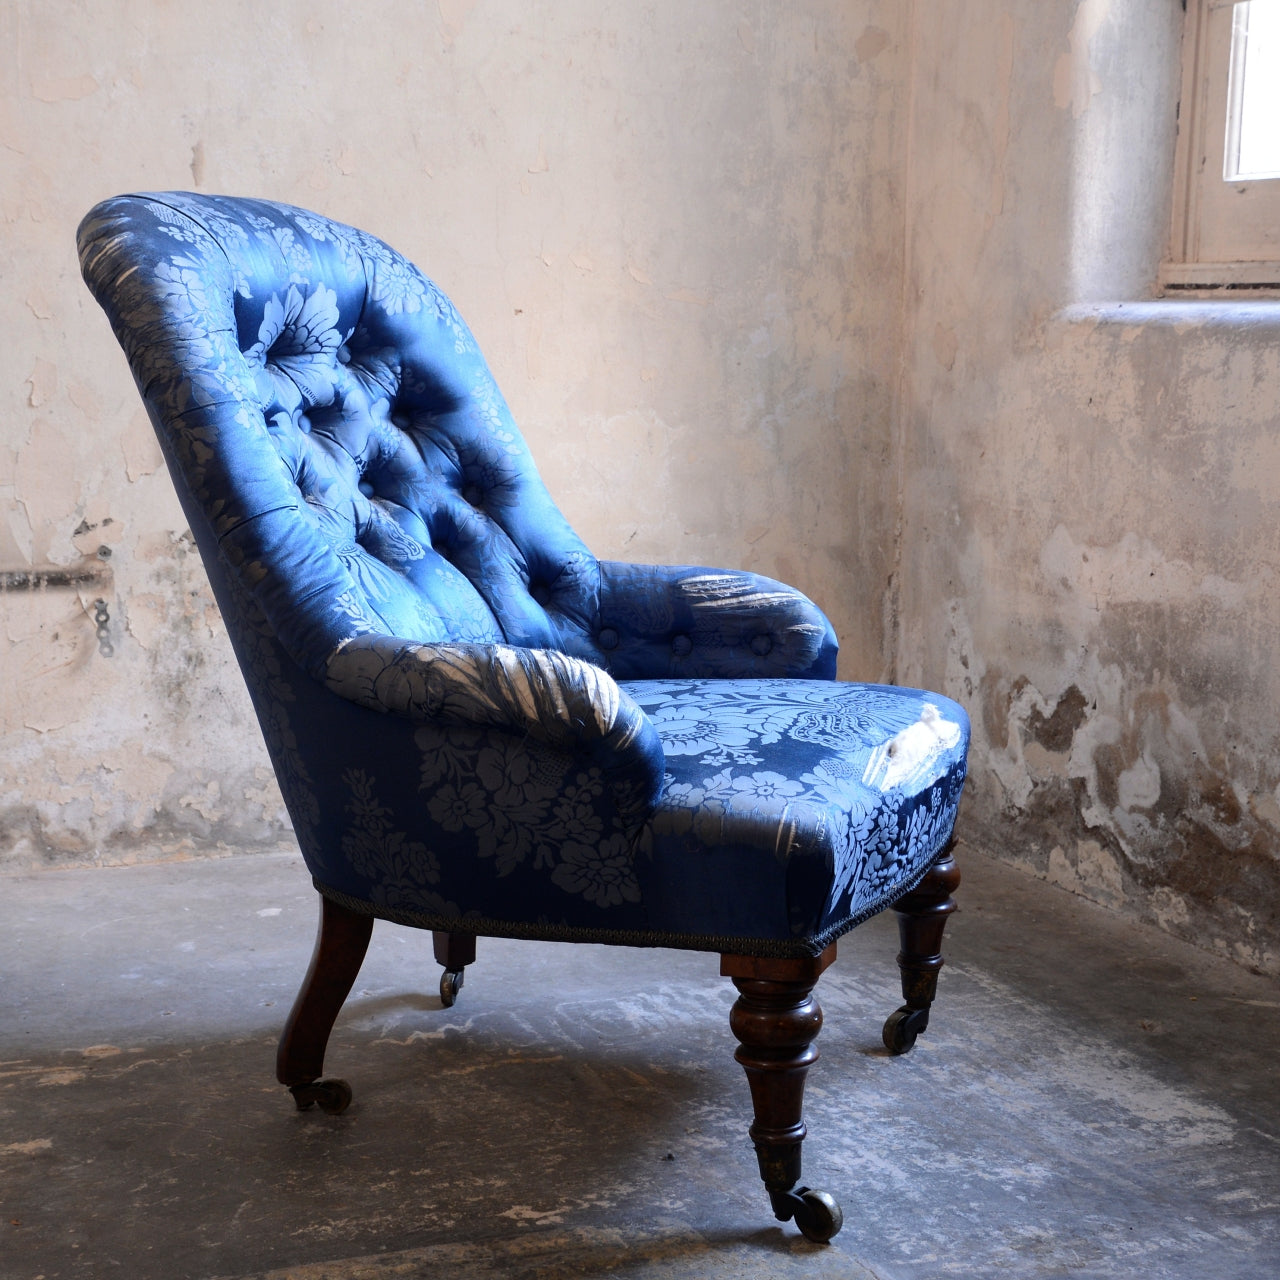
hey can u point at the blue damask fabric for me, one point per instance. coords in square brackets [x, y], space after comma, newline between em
[819, 802]
[334, 420]
[474, 721]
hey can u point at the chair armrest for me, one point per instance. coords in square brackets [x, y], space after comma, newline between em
[662, 621]
[559, 701]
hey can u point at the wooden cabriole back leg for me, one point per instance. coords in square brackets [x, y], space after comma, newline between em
[776, 1020]
[341, 942]
[922, 916]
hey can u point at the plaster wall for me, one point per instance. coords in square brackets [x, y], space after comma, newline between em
[675, 228]
[856, 294]
[1089, 478]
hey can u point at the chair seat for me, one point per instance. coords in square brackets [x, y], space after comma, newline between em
[792, 810]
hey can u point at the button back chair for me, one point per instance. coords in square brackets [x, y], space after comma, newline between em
[478, 727]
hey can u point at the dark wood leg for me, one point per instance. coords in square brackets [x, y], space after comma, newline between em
[776, 1020]
[455, 951]
[922, 916]
[341, 942]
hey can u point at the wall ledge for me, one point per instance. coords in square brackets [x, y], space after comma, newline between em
[1180, 314]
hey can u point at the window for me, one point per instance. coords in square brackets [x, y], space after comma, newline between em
[1226, 215]
[1253, 94]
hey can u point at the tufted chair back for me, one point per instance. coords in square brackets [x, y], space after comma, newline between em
[329, 415]
[404, 500]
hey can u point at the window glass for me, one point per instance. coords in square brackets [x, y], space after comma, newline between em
[1253, 121]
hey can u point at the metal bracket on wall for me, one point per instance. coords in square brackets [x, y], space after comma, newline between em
[102, 625]
[88, 575]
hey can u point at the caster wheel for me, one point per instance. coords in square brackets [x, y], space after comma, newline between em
[901, 1028]
[450, 985]
[818, 1216]
[333, 1097]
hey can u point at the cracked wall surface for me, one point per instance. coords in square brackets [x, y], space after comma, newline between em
[674, 228]
[1089, 477]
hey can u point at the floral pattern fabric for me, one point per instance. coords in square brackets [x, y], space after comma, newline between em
[474, 721]
[786, 774]
[774, 831]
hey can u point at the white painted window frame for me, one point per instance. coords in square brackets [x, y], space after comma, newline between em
[1225, 236]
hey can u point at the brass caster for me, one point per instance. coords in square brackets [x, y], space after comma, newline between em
[333, 1097]
[819, 1217]
[902, 1027]
[450, 985]
[816, 1213]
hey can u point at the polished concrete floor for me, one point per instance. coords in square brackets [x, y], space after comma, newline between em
[1093, 1100]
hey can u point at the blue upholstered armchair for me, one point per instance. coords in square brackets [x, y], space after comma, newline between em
[478, 727]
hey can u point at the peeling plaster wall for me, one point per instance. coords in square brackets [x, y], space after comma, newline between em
[850, 293]
[1090, 481]
[675, 228]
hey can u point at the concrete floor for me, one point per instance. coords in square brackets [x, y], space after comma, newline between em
[1093, 1100]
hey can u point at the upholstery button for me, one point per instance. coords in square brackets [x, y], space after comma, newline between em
[473, 494]
[762, 646]
[608, 638]
[681, 646]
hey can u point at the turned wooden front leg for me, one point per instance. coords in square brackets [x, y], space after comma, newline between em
[922, 917]
[776, 1020]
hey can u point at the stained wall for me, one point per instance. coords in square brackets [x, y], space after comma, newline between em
[857, 294]
[1089, 478]
[675, 228]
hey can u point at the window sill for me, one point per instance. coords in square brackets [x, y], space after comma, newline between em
[1226, 312]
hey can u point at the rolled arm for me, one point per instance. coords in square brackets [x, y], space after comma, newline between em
[559, 701]
[662, 621]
